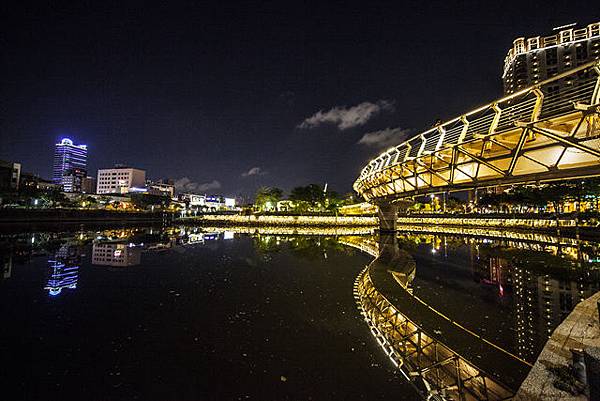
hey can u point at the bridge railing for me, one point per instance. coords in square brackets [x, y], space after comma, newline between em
[418, 355]
[550, 99]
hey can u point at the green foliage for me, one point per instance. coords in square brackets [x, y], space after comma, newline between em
[267, 198]
[144, 201]
[312, 193]
[306, 199]
[454, 204]
[554, 193]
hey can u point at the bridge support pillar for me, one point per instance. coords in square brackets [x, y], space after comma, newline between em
[388, 246]
[388, 217]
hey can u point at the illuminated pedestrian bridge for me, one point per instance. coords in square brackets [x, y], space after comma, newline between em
[549, 131]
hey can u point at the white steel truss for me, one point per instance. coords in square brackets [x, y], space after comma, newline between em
[547, 132]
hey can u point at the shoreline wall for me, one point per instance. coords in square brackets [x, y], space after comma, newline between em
[254, 220]
[77, 215]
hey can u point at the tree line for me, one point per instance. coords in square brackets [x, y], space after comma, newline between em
[302, 199]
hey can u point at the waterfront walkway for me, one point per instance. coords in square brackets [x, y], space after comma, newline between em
[579, 330]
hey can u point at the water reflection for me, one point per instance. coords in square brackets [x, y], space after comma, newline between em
[212, 314]
[117, 254]
[512, 288]
[64, 268]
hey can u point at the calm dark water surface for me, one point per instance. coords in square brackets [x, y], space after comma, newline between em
[213, 316]
[192, 314]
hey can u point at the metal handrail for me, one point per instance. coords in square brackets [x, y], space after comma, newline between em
[551, 105]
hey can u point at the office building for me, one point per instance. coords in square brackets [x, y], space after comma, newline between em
[207, 203]
[532, 60]
[160, 187]
[32, 181]
[10, 175]
[120, 180]
[88, 185]
[70, 165]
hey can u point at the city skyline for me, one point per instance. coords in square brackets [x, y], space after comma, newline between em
[315, 85]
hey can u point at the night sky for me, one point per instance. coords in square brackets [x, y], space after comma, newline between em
[225, 96]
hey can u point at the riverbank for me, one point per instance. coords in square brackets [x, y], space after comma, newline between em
[278, 220]
[566, 226]
[25, 216]
[580, 330]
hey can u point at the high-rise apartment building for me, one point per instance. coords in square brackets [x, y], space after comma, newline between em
[70, 165]
[119, 180]
[533, 60]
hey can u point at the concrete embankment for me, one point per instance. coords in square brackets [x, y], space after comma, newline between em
[77, 215]
[580, 330]
[567, 226]
[263, 220]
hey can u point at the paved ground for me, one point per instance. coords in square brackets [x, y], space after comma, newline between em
[579, 330]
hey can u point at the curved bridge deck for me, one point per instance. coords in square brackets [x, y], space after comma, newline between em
[547, 132]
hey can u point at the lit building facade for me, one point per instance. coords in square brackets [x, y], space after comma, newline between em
[160, 188]
[70, 165]
[207, 203]
[532, 60]
[120, 180]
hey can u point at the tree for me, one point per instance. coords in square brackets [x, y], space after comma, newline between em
[312, 194]
[454, 204]
[267, 198]
[144, 201]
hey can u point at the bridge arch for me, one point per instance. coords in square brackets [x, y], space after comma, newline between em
[535, 135]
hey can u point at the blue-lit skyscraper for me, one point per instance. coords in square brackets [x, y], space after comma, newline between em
[70, 165]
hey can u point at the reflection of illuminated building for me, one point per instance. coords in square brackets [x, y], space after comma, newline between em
[194, 237]
[7, 267]
[211, 236]
[525, 292]
[499, 274]
[115, 254]
[62, 276]
[557, 298]
[64, 269]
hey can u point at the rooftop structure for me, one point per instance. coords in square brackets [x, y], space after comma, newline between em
[532, 60]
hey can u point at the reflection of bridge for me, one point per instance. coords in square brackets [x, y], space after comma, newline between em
[536, 135]
[416, 337]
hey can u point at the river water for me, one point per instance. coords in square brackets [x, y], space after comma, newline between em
[189, 313]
